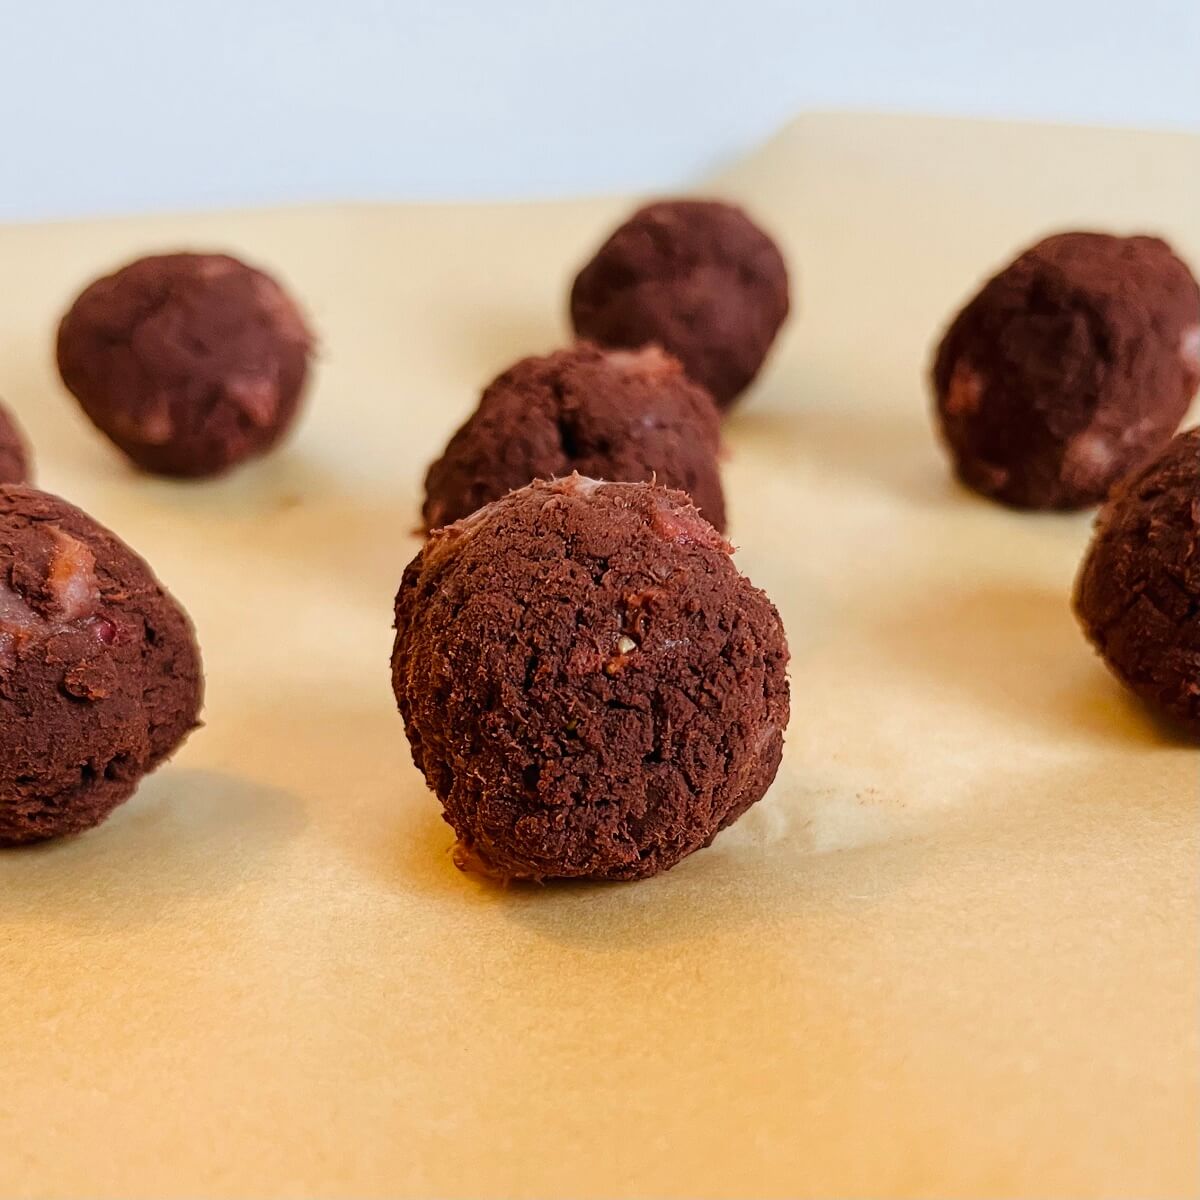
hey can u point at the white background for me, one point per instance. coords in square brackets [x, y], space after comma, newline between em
[137, 105]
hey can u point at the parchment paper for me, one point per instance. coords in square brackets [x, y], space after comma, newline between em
[954, 953]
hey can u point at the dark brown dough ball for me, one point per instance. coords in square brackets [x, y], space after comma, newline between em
[100, 676]
[698, 278]
[14, 452]
[190, 363]
[1069, 369]
[1138, 595]
[588, 684]
[627, 416]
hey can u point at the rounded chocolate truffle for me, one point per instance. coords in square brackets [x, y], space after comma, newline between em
[623, 415]
[100, 676]
[1069, 369]
[1138, 594]
[190, 363]
[587, 682]
[698, 278]
[14, 451]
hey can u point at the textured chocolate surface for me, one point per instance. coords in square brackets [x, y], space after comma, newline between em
[625, 416]
[190, 363]
[1138, 594]
[14, 450]
[587, 682]
[1070, 369]
[696, 277]
[100, 675]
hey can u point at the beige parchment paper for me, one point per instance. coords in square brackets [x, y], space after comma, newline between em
[954, 953]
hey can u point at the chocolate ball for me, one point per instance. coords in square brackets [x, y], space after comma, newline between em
[1138, 594]
[100, 676]
[14, 452]
[1069, 369]
[190, 363]
[623, 415]
[587, 682]
[698, 278]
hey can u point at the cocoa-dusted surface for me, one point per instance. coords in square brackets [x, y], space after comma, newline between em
[697, 277]
[1138, 594]
[14, 450]
[626, 416]
[587, 682]
[190, 363]
[1069, 369]
[100, 675]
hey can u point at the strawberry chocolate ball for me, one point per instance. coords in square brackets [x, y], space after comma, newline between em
[14, 452]
[698, 278]
[588, 683]
[1138, 594]
[190, 363]
[1070, 369]
[100, 675]
[622, 415]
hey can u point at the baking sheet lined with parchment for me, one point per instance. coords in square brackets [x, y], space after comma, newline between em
[954, 952]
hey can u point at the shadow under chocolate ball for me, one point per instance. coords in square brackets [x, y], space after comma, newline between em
[190, 363]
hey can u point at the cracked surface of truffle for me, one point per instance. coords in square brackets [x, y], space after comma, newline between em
[189, 363]
[588, 684]
[1138, 593]
[625, 416]
[100, 676]
[698, 278]
[1069, 369]
[14, 452]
